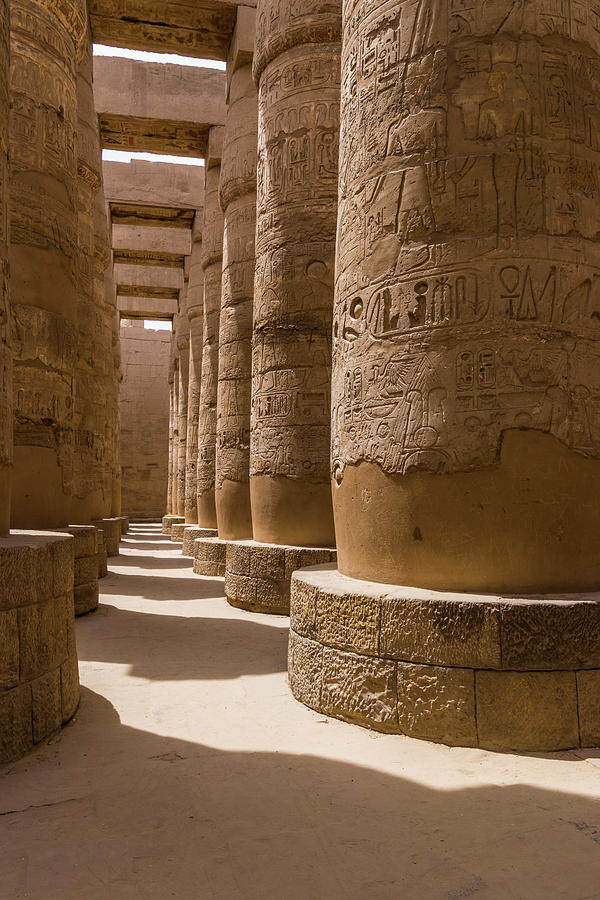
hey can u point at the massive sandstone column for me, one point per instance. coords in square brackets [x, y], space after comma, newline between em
[183, 347]
[238, 200]
[6, 397]
[209, 551]
[466, 380]
[46, 39]
[195, 312]
[297, 68]
[39, 685]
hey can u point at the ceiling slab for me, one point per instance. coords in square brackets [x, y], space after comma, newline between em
[163, 259]
[151, 216]
[148, 291]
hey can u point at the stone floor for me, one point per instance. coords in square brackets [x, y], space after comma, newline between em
[190, 772]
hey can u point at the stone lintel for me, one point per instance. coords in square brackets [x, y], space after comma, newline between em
[151, 217]
[146, 308]
[140, 182]
[503, 673]
[135, 238]
[161, 258]
[257, 575]
[148, 291]
[139, 135]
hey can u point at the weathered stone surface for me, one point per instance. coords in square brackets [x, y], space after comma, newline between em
[111, 528]
[545, 634]
[588, 696]
[238, 200]
[102, 555]
[349, 622]
[455, 449]
[16, 727]
[45, 43]
[210, 557]
[9, 656]
[6, 390]
[144, 412]
[360, 689]
[527, 710]
[46, 699]
[69, 679]
[305, 667]
[195, 314]
[437, 704]
[295, 251]
[169, 521]
[86, 596]
[192, 533]
[261, 573]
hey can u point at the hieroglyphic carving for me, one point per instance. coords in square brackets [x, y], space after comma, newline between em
[296, 218]
[238, 200]
[46, 41]
[467, 297]
[212, 262]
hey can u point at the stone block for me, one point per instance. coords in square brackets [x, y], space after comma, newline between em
[300, 557]
[193, 533]
[46, 705]
[271, 596]
[177, 532]
[112, 534]
[85, 539]
[349, 622]
[542, 633]
[17, 577]
[240, 590]
[238, 558]
[588, 695]
[209, 557]
[62, 565]
[42, 638]
[86, 570]
[526, 710]
[169, 521]
[266, 561]
[359, 688]
[16, 727]
[303, 607]
[428, 627]
[9, 649]
[437, 703]
[69, 682]
[305, 666]
[86, 598]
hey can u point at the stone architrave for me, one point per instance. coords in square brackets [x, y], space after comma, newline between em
[195, 314]
[46, 41]
[87, 499]
[238, 201]
[465, 381]
[212, 264]
[6, 396]
[297, 68]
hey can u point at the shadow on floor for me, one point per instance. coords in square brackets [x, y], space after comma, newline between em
[176, 648]
[129, 814]
[156, 562]
[159, 588]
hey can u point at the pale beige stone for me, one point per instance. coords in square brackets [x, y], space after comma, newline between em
[210, 557]
[588, 697]
[437, 704]
[360, 689]
[6, 396]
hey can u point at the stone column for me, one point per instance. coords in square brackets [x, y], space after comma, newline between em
[466, 378]
[87, 500]
[238, 201]
[171, 518]
[209, 550]
[195, 312]
[39, 686]
[183, 347]
[297, 69]
[46, 40]
[6, 395]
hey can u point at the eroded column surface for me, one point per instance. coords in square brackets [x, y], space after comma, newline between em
[297, 67]
[46, 39]
[87, 499]
[6, 397]
[238, 200]
[466, 356]
[195, 313]
[212, 263]
[182, 334]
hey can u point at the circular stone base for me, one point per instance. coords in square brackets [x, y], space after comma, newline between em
[192, 533]
[501, 673]
[112, 534]
[124, 520]
[257, 576]
[177, 530]
[169, 521]
[39, 686]
[209, 557]
[85, 542]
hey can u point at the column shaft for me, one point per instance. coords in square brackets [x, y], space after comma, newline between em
[6, 397]
[195, 312]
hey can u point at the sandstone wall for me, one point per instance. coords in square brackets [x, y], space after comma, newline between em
[144, 419]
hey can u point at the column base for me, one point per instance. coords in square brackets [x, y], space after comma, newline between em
[124, 520]
[177, 530]
[501, 673]
[101, 555]
[257, 576]
[209, 557]
[112, 534]
[169, 521]
[193, 532]
[39, 687]
[86, 592]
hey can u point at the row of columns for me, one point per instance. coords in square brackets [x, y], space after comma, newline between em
[458, 309]
[58, 364]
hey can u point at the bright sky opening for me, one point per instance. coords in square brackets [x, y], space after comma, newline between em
[158, 324]
[124, 156]
[146, 56]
